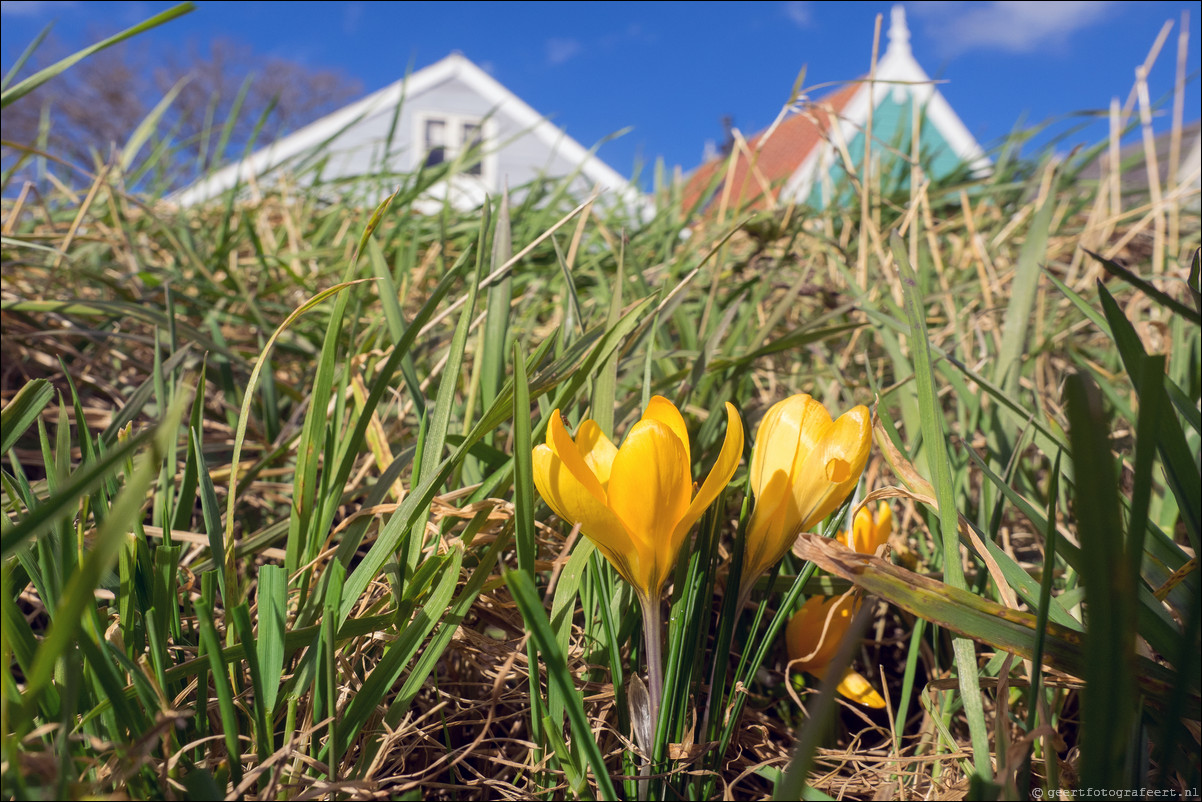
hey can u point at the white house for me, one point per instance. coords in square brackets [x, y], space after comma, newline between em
[801, 158]
[436, 115]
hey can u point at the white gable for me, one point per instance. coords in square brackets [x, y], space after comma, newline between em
[382, 134]
[897, 72]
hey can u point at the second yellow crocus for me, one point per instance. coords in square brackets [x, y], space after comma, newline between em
[803, 467]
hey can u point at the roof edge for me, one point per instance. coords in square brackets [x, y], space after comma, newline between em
[454, 65]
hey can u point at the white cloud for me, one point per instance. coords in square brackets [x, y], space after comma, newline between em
[633, 34]
[1013, 26]
[352, 15]
[562, 50]
[800, 13]
[33, 8]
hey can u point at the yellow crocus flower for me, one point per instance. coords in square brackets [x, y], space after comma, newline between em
[814, 634]
[869, 534]
[803, 466]
[635, 503]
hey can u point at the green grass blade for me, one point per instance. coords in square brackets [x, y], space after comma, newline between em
[23, 59]
[325, 688]
[1045, 592]
[78, 594]
[210, 511]
[42, 76]
[225, 693]
[62, 502]
[440, 421]
[22, 411]
[931, 412]
[21, 644]
[606, 378]
[147, 127]
[1109, 701]
[563, 608]
[188, 483]
[523, 500]
[496, 321]
[821, 713]
[231, 592]
[399, 653]
[313, 440]
[531, 608]
[273, 616]
[567, 758]
[1022, 299]
[1181, 467]
[1149, 289]
[259, 708]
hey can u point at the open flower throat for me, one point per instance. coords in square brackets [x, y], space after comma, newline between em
[635, 503]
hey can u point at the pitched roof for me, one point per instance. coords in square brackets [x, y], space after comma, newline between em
[776, 154]
[1135, 176]
[786, 158]
[318, 134]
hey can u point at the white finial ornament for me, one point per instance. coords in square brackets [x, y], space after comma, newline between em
[899, 34]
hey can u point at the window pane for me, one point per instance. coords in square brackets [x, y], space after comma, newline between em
[436, 133]
[471, 135]
[436, 142]
[473, 139]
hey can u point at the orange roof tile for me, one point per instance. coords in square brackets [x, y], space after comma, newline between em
[774, 160]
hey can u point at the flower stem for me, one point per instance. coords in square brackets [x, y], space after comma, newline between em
[722, 654]
[653, 637]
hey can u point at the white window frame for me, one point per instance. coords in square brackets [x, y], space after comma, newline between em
[455, 124]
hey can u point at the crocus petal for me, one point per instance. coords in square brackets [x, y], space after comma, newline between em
[815, 631]
[813, 426]
[566, 450]
[719, 475]
[544, 460]
[768, 534]
[814, 635]
[832, 469]
[574, 503]
[664, 411]
[858, 689]
[597, 449]
[776, 441]
[884, 524]
[869, 534]
[861, 536]
[649, 491]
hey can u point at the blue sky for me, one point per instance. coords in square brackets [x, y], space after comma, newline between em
[672, 70]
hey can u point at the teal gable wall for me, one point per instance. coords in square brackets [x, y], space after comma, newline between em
[891, 128]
